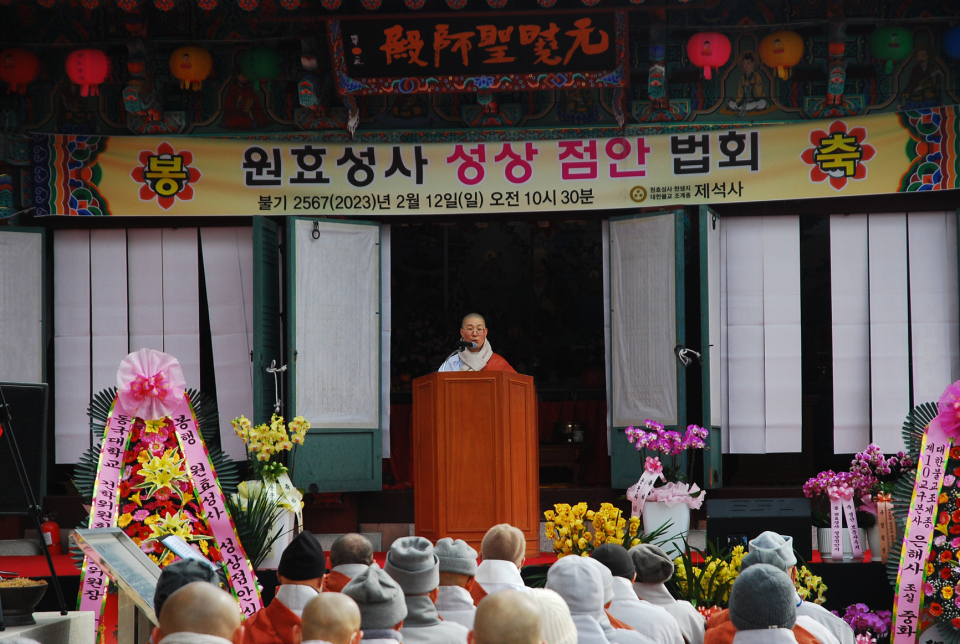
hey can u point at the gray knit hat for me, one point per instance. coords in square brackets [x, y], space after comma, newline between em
[780, 544]
[762, 557]
[652, 563]
[379, 597]
[763, 597]
[456, 557]
[414, 565]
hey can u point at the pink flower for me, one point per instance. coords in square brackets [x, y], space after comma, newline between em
[140, 515]
[955, 544]
[949, 406]
[940, 540]
[949, 480]
[928, 588]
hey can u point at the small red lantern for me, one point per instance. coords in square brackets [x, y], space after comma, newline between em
[18, 67]
[88, 68]
[708, 50]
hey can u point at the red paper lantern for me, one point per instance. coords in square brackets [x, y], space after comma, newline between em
[18, 67]
[88, 68]
[708, 50]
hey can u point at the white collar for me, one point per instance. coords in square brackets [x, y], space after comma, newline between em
[450, 598]
[765, 636]
[654, 593]
[623, 590]
[295, 596]
[193, 638]
[350, 570]
[497, 571]
[589, 630]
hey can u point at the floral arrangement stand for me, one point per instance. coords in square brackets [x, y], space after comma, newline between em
[155, 478]
[265, 447]
[665, 493]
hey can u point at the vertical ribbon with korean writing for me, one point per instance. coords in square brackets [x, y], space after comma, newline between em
[240, 573]
[908, 598]
[103, 511]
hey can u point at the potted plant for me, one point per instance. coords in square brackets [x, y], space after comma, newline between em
[878, 504]
[665, 493]
[266, 446]
[870, 627]
[843, 495]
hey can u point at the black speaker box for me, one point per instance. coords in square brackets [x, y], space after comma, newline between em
[732, 522]
[28, 408]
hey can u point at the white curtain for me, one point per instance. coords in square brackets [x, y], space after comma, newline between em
[228, 276]
[895, 321]
[108, 305]
[760, 333]
[338, 327]
[181, 300]
[21, 306]
[714, 316]
[607, 352]
[386, 324]
[643, 320]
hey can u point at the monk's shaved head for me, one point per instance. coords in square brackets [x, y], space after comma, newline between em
[472, 316]
[331, 617]
[508, 617]
[200, 607]
[351, 549]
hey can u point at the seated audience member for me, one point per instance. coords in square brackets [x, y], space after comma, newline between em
[720, 630]
[302, 566]
[501, 556]
[458, 566]
[509, 617]
[558, 626]
[179, 574]
[332, 618]
[783, 546]
[615, 631]
[199, 613]
[415, 567]
[381, 603]
[654, 567]
[350, 555]
[762, 606]
[645, 618]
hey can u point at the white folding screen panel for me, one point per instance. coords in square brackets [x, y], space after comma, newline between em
[933, 303]
[228, 276]
[338, 326]
[782, 374]
[21, 306]
[71, 343]
[607, 352]
[385, 329]
[145, 289]
[108, 305]
[643, 320]
[850, 306]
[760, 334]
[181, 300]
[744, 343]
[889, 341]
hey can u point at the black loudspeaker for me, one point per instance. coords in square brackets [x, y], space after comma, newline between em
[732, 522]
[27, 402]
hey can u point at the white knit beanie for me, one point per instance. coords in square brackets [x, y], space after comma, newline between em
[558, 626]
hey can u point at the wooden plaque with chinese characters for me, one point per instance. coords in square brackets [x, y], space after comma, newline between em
[475, 458]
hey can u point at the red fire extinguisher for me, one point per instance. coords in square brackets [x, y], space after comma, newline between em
[51, 534]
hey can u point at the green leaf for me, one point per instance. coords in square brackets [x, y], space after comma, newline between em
[254, 518]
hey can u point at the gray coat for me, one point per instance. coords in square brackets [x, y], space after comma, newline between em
[424, 626]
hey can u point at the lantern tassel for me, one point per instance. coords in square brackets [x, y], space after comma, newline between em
[783, 73]
[706, 72]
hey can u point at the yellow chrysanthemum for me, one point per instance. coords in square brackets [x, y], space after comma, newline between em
[124, 520]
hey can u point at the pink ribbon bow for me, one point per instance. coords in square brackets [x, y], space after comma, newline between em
[653, 466]
[841, 492]
[150, 384]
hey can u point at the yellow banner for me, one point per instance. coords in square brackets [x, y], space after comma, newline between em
[880, 154]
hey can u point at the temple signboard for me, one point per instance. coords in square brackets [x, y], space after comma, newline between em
[500, 53]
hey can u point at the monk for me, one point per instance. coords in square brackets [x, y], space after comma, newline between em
[350, 555]
[474, 329]
[333, 618]
[302, 567]
[509, 617]
[199, 613]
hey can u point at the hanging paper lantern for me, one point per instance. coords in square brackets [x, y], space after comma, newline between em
[261, 64]
[892, 44]
[951, 42]
[708, 50]
[782, 50]
[88, 68]
[18, 67]
[191, 66]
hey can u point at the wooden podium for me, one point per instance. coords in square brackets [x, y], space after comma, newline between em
[475, 455]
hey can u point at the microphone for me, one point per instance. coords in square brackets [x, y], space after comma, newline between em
[463, 344]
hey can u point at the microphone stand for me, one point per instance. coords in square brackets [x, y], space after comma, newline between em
[6, 429]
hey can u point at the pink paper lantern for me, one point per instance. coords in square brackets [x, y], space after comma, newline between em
[88, 68]
[708, 50]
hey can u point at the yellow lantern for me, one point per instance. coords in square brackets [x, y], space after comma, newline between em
[191, 66]
[781, 50]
